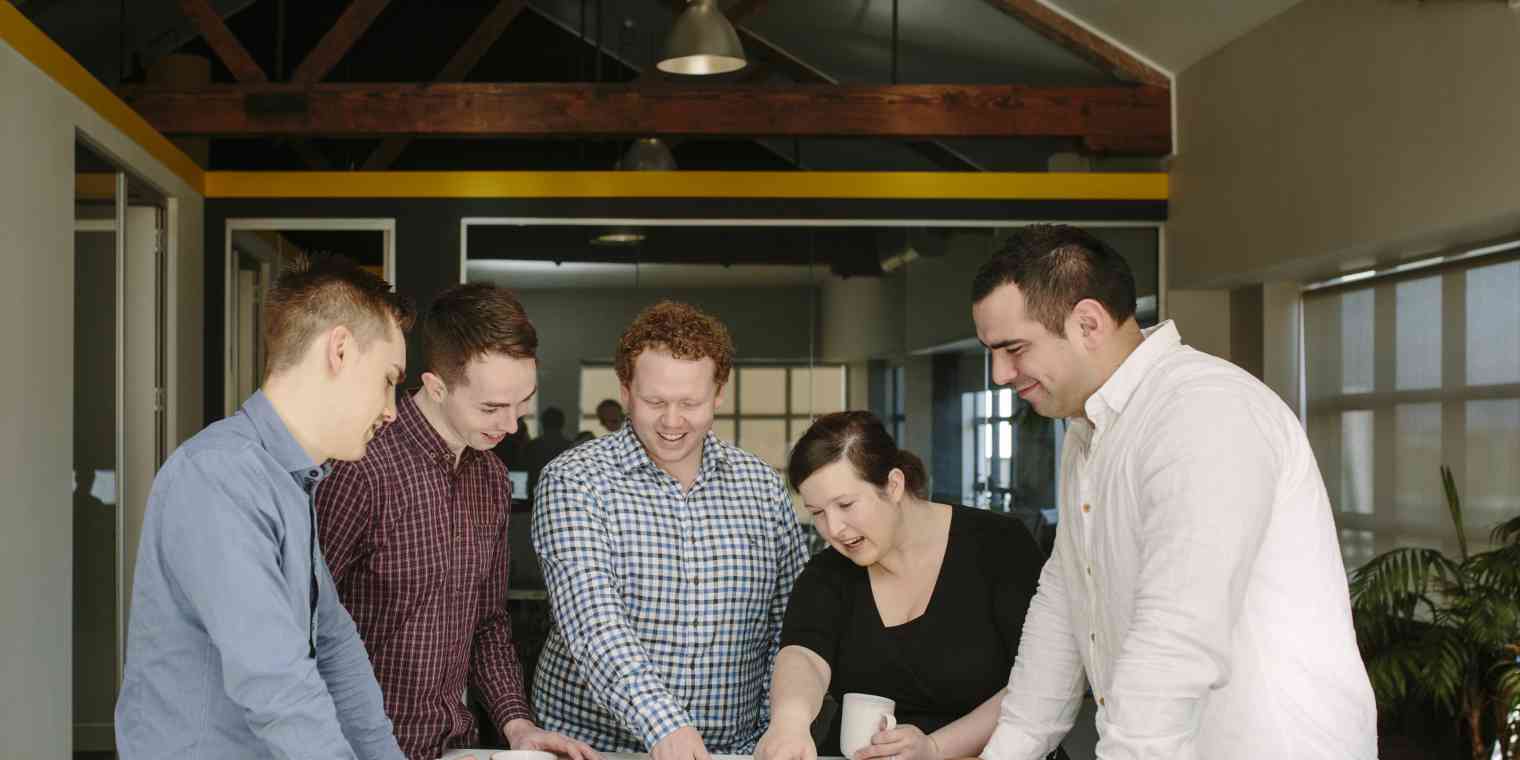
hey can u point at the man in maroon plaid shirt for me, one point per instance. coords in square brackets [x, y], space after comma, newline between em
[415, 533]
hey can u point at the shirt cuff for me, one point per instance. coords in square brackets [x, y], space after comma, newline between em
[506, 710]
[1009, 743]
[658, 718]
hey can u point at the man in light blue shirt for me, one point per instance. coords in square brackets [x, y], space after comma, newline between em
[238, 646]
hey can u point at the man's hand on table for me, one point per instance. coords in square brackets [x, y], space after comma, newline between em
[523, 734]
[683, 743]
[785, 743]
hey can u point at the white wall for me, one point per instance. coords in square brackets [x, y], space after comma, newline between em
[37, 136]
[1203, 319]
[1343, 132]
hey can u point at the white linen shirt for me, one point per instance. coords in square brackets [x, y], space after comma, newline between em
[1196, 578]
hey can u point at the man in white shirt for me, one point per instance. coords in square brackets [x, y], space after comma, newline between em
[1196, 580]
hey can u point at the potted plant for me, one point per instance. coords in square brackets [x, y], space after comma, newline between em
[1442, 630]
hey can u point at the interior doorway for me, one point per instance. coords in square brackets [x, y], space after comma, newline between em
[120, 415]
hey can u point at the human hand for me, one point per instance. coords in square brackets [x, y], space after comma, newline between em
[786, 743]
[523, 734]
[902, 743]
[683, 743]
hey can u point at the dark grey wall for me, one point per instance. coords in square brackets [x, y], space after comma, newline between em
[427, 232]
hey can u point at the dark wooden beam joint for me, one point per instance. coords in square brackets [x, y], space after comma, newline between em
[1082, 42]
[1126, 115]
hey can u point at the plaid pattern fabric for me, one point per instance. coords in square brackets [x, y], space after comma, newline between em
[418, 548]
[667, 605]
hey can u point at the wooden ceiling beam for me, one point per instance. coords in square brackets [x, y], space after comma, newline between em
[562, 110]
[340, 39]
[237, 60]
[774, 57]
[459, 66]
[1074, 37]
[222, 41]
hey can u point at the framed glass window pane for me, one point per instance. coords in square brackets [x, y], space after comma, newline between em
[1493, 324]
[1356, 341]
[1357, 546]
[818, 390]
[1356, 495]
[1418, 496]
[762, 390]
[796, 427]
[1491, 489]
[1322, 349]
[723, 427]
[1417, 358]
[765, 439]
[597, 383]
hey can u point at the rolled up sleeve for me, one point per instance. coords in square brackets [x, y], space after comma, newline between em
[576, 556]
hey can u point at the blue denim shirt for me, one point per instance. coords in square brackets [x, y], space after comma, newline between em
[222, 624]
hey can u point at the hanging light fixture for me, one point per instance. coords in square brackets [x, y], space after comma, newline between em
[647, 154]
[702, 42]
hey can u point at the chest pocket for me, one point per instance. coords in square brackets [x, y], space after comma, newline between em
[409, 560]
[738, 572]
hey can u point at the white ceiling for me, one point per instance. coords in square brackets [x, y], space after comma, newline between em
[1172, 34]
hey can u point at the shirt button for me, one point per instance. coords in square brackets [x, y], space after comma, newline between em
[1086, 507]
[1100, 700]
[1089, 569]
[1093, 637]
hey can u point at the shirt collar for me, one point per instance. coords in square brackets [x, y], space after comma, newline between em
[276, 439]
[415, 427]
[631, 456]
[1111, 397]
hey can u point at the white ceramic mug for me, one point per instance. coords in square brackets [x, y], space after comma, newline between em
[864, 715]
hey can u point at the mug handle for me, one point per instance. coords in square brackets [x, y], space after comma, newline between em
[888, 722]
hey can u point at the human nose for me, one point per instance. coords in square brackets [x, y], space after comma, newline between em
[511, 426]
[1004, 371]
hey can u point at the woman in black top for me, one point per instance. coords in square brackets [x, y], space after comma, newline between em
[919, 602]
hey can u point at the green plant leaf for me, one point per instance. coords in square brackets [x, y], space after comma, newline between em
[1454, 505]
[1507, 532]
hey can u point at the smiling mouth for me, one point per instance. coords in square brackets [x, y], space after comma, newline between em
[854, 543]
[669, 438]
[1027, 388]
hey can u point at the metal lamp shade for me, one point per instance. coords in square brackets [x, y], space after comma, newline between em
[647, 154]
[702, 42]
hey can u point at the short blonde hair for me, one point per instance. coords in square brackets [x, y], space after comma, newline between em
[314, 295]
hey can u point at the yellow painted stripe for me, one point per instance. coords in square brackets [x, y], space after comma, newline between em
[679, 184]
[19, 32]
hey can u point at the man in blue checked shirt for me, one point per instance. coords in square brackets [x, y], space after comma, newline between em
[669, 556]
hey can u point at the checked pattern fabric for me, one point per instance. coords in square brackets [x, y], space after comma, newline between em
[667, 604]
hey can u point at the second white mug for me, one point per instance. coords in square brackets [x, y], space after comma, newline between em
[863, 716]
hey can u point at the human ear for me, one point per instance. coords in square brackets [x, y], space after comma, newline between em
[338, 348]
[897, 484]
[435, 386]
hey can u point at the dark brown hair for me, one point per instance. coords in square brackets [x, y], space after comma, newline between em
[684, 330]
[467, 322]
[315, 294]
[860, 438]
[1055, 267]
